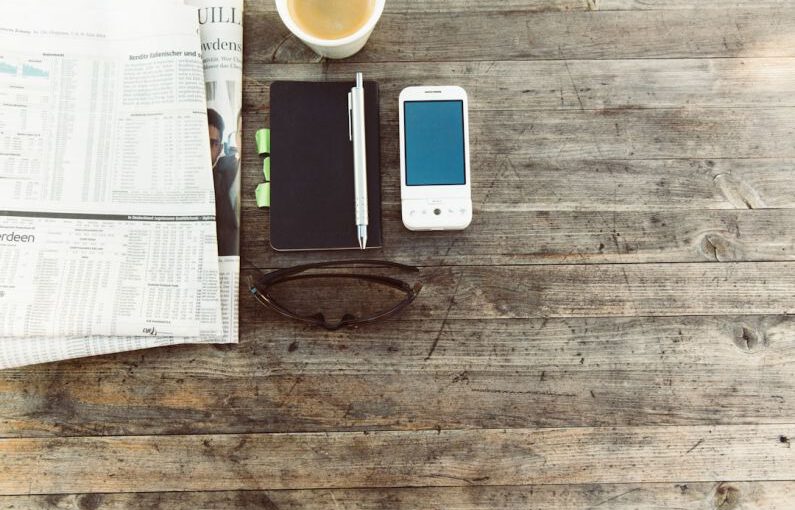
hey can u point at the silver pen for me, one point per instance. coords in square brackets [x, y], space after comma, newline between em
[357, 136]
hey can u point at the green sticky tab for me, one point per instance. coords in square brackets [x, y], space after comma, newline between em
[264, 195]
[263, 137]
[266, 168]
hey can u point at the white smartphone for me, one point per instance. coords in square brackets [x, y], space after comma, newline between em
[435, 185]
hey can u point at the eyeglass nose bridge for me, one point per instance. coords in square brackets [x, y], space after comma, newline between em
[333, 326]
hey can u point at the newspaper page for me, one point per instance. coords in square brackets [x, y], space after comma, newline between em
[222, 49]
[84, 207]
[221, 26]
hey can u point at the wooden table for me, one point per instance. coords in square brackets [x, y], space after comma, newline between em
[613, 331]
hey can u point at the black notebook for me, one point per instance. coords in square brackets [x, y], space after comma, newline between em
[312, 185]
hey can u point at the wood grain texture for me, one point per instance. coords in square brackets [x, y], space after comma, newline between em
[396, 459]
[529, 184]
[422, 6]
[498, 237]
[623, 134]
[693, 496]
[410, 375]
[510, 142]
[522, 35]
[560, 85]
[617, 290]
[688, 4]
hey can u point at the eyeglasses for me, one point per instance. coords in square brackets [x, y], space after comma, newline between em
[262, 287]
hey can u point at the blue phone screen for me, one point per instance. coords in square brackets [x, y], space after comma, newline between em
[434, 133]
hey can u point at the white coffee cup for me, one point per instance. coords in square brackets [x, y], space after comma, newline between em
[333, 48]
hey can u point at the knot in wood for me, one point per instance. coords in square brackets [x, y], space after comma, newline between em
[749, 340]
[718, 248]
[89, 501]
[726, 497]
[738, 192]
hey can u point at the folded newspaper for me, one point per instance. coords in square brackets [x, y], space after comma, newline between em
[120, 216]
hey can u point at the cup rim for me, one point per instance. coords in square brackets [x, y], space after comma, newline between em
[284, 14]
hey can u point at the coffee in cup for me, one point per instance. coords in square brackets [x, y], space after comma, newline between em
[333, 28]
[330, 19]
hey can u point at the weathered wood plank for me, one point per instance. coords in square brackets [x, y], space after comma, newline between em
[396, 459]
[645, 290]
[621, 134]
[454, 6]
[420, 6]
[500, 139]
[541, 237]
[693, 496]
[689, 4]
[560, 85]
[507, 183]
[409, 375]
[592, 291]
[522, 35]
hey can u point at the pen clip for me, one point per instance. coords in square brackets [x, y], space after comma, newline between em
[350, 116]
